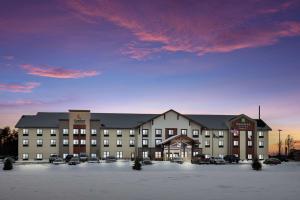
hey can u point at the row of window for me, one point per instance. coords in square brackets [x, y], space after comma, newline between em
[235, 143]
[39, 142]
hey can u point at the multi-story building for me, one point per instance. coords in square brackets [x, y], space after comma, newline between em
[125, 136]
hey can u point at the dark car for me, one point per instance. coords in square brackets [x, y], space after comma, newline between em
[83, 157]
[272, 161]
[231, 159]
[147, 161]
[68, 158]
[200, 159]
[52, 158]
[74, 161]
[282, 158]
[110, 159]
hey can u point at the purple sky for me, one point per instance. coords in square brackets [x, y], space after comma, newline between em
[197, 56]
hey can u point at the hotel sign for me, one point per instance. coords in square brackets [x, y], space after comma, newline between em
[242, 124]
[79, 120]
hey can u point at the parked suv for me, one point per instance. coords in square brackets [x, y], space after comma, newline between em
[216, 160]
[231, 159]
[52, 158]
[200, 159]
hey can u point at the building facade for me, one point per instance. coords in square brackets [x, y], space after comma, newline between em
[126, 136]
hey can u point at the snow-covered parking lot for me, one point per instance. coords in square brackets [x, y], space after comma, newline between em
[162, 180]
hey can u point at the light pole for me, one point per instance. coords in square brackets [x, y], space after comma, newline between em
[279, 142]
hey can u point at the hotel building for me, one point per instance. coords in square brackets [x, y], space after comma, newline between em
[125, 136]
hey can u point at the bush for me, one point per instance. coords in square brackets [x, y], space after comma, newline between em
[137, 165]
[8, 164]
[256, 165]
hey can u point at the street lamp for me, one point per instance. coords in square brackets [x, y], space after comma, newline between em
[279, 142]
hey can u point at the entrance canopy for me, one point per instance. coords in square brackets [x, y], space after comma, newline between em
[180, 139]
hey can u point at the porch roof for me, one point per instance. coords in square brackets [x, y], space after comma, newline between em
[182, 138]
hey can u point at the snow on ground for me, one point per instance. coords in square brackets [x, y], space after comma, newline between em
[162, 180]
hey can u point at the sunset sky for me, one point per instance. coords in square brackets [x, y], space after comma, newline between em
[201, 56]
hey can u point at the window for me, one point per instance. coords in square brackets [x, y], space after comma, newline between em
[82, 142]
[75, 142]
[261, 144]
[94, 142]
[145, 142]
[75, 131]
[65, 131]
[65, 142]
[105, 154]
[39, 142]
[221, 143]
[260, 134]
[119, 154]
[93, 155]
[119, 133]
[221, 155]
[260, 156]
[145, 132]
[52, 143]
[65, 155]
[106, 143]
[157, 154]
[75, 155]
[249, 156]
[105, 133]
[82, 131]
[171, 132]
[158, 132]
[131, 143]
[249, 143]
[53, 132]
[235, 133]
[235, 143]
[221, 134]
[207, 144]
[132, 155]
[25, 143]
[249, 133]
[206, 134]
[25, 156]
[25, 132]
[145, 154]
[39, 156]
[195, 153]
[94, 132]
[158, 142]
[195, 133]
[131, 133]
[119, 143]
[39, 132]
[183, 132]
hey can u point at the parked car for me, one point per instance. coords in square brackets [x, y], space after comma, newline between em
[147, 161]
[200, 159]
[177, 160]
[110, 159]
[68, 158]
[231, 159]
[94, 160]
[74, 161]
[282, 158]
[58, 161]
[272, 161]
[83, 157]
[52, 158]
[216, 160]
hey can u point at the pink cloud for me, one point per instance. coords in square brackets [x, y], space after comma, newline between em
[58, 72]
[200, 27]
[14, 87]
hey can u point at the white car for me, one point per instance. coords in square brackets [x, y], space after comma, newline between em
[58, 161]
[217, 160]
[93, 160]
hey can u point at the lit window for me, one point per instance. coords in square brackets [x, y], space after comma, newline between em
[82, 142]
[235, 143]
[221, 143]
[207, 156]
[25, 156]
[65, 142]
[82, 131]
[195, 153]
[39, 131]
[39, 156]
[260, 134]
[65, 155]
[53, 143]
[235, 133]
[157, 154]
[261, 144]
[75, 142]
[53, 132]
[93, 155]
[105, 154]
[131, 133]
[75, 154]
[158, 132]
[207, 143]
[25, 142]
[260, 156]
[236, 155]
[158, 142]
[195, 133]
[119, 154]
[249, 133]
[75, 131]
[145, 132]
[221, 155]
[119, 133]
[25, 132]
[249, 156]
[206, 134]
[249, 143]
[65, 131]
[94, 132]
[39, 142]
[105, 133]
[119, 142]
[131, 143]
[183, 132]
[94, 142]
[132, 155]
[145, 154]
[171, 132]
[106, 143]
[145, 142]
[221, 133]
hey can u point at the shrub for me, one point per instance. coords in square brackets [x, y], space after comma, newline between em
[137, 165]
[8, 164]
[256, 165]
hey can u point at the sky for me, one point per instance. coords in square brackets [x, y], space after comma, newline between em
[138, 56]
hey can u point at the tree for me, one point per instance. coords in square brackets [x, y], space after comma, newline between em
[289, 144]
[8, 164]
[256, 165]
[137, 165]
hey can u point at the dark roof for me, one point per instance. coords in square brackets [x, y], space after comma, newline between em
[124, 120]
